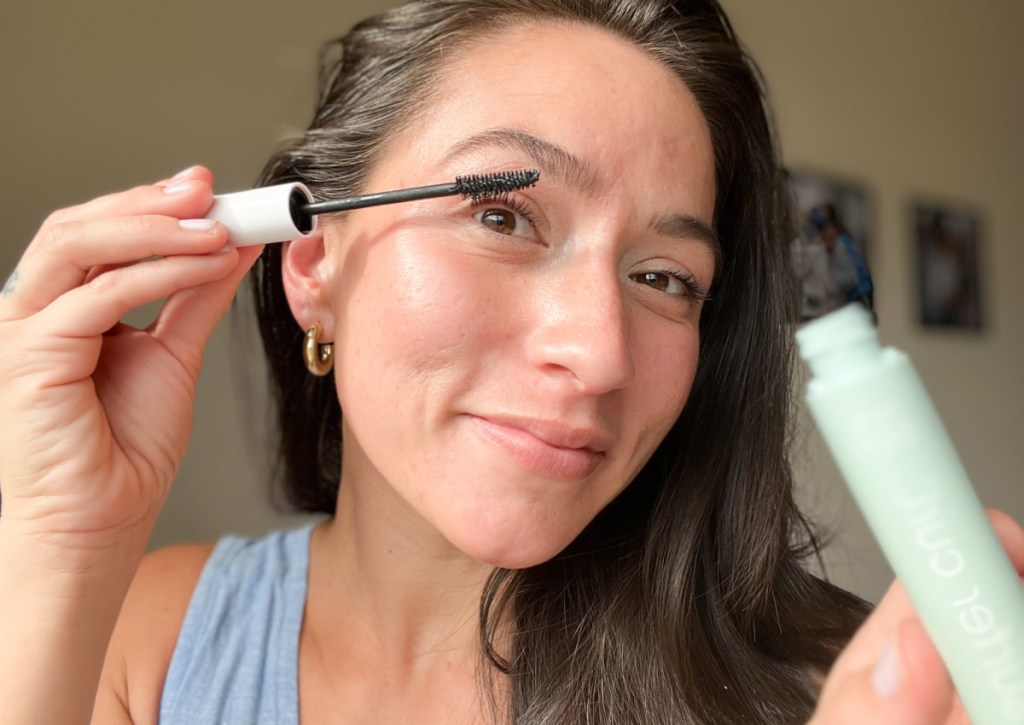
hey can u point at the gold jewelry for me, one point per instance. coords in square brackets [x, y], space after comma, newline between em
[319, 358]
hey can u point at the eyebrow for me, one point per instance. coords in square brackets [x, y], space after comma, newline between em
[554, 161]
[570, 170]
[688, 227]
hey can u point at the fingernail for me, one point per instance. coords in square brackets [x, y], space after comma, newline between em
[888, 673]
[182, 174]
[224, 250]
[178, 188]
[196, 225]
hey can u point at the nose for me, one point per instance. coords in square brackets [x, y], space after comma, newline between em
[582, 335]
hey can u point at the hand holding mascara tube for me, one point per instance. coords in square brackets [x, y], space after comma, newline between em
[905, 476]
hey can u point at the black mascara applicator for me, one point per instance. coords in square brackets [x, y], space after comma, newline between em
[287, 211]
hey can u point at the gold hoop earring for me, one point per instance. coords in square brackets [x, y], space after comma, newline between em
[319, 358]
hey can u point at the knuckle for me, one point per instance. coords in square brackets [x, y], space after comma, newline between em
[55, 217]
[144, 226]
[54, 237]
[105, 284]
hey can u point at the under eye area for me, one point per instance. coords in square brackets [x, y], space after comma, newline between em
[673, 282]
[505, 214]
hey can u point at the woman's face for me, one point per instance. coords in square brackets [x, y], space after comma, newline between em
[507, 367]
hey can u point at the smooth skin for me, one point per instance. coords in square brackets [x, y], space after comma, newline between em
[472, 300]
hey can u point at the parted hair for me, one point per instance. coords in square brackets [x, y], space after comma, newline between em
[687, 599]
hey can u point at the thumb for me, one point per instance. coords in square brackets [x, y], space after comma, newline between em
[904, 683]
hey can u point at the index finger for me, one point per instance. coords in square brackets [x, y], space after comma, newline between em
[126, 203]
[114, 230]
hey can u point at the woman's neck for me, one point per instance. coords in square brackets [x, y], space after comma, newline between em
[390, 632]
[384, 576]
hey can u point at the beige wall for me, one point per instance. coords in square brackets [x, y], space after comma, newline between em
[911, 98]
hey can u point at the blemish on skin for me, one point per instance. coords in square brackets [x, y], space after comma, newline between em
[9, 284]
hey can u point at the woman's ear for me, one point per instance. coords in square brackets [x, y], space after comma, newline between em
[303, 274]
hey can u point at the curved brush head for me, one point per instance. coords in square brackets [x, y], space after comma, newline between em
[481, 185]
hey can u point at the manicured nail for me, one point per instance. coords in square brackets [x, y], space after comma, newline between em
[887, 676]
[178, 188]
[196, 225]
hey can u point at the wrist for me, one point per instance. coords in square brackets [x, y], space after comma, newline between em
[68, 556]
[58, 606]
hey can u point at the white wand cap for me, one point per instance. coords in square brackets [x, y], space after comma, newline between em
[265, 215]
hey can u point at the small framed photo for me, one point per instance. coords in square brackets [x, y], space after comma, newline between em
[831, 246]
[948, 265]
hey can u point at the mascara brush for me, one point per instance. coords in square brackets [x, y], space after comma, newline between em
[287, 211]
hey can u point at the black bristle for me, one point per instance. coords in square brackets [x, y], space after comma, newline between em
[479, 185]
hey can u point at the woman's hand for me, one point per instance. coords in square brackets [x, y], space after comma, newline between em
[95, 415]
[891, 673]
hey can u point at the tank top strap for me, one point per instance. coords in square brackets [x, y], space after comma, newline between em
[236, 659]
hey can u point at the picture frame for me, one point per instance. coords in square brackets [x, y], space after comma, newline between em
[831, 245]
[948, 246]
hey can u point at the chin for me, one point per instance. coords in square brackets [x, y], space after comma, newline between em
[511, 542]
[512, 558]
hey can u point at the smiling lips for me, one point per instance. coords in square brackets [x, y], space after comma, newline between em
[548, 449]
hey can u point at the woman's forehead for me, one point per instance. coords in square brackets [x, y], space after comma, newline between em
[614, 108]
[575, 65]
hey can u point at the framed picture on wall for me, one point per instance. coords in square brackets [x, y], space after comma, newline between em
[831, 247]
[948, 265]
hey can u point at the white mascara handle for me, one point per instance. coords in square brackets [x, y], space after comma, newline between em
[265, 215]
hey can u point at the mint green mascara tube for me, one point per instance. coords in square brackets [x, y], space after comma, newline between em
[904, 474]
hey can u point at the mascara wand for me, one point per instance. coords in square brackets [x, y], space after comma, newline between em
[287, 211]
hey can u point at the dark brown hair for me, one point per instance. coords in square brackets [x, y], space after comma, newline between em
[686, 599]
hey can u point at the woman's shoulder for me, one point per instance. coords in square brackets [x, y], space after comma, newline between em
[147, 631]
[194, 611]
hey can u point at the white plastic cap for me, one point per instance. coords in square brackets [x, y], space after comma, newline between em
[265, 215]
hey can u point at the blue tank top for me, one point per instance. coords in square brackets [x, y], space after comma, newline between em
[236, 659]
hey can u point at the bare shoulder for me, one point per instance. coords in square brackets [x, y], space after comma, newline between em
[146, 633]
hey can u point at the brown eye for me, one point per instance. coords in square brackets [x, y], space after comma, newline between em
[675, 283]
[500, 220]
[656, 280]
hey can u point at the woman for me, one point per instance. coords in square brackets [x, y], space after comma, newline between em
[563, 497]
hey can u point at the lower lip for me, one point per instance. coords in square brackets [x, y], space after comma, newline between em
[533, 454]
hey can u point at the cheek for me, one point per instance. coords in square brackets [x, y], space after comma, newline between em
[416, 322]
[666, 366]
